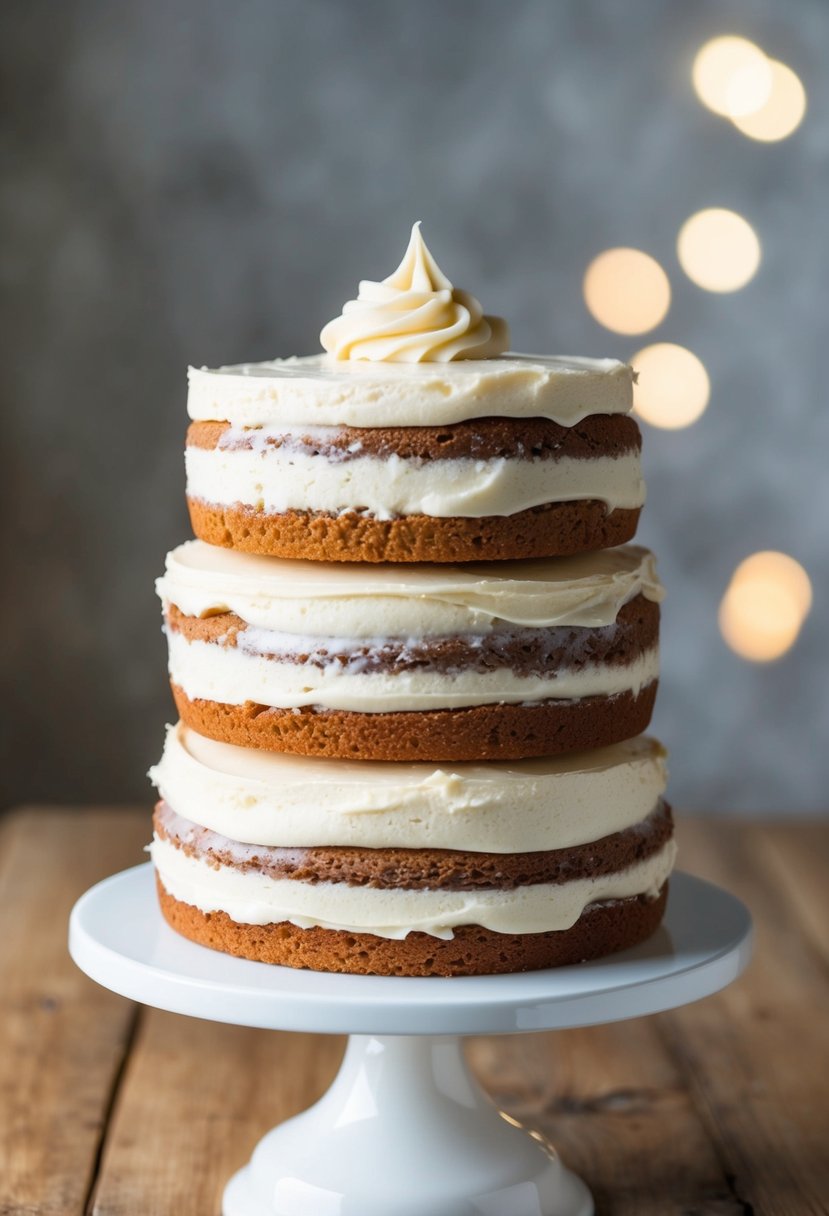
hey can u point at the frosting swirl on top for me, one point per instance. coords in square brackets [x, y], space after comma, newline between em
[414, 316]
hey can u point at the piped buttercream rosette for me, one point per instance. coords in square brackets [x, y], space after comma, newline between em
[414, 316]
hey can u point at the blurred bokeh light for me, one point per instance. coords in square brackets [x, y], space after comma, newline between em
[765, 605]
[627, 291]
[781, 113]
[732, 76]
[718, 249]
[672, 389]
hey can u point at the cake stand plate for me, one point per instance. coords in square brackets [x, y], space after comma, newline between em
[404, 1130]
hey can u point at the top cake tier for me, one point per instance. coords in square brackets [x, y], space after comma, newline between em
[414, 438]
[511, 457]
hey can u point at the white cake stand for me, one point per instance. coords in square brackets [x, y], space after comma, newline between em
[404, 1130]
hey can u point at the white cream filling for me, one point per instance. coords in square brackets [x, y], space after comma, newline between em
[228, 674]
[521, 806]
[328, 599]
[280, 479]
[252, 898]
[324, 391]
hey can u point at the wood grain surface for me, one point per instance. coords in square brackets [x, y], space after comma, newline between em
[717, 1109]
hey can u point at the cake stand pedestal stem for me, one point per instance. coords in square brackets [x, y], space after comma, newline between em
[404, 1130]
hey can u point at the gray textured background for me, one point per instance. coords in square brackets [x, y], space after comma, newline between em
[205, 182]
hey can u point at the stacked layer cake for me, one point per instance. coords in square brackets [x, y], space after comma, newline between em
[412, 654]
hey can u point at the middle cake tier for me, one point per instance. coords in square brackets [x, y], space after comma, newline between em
[502, 661]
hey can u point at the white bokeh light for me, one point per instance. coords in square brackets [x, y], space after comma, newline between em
[672, 389]
[718, 249]
[782, 111]
[731, 76]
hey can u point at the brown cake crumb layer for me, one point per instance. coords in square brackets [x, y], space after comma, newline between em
[603, 928]
[526, 652]
[480, 439]
[481, 732]
[556, 529]
[421, 869]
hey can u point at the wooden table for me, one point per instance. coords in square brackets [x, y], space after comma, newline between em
[717, 1109]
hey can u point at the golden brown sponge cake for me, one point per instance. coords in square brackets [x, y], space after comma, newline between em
[409, 869]
[386, 662]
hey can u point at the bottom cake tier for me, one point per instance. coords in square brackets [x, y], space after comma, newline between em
[410, 869]
[603, 928]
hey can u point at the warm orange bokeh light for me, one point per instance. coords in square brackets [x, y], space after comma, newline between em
[627, 291]
[765, 605]
[772, 566]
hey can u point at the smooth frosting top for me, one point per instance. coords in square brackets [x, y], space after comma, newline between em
[320, 390]
[266, 798]
[414, 316]
[325, 599]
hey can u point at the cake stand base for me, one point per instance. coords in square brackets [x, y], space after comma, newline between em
[404, 1130]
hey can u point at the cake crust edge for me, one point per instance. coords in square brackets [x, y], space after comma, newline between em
[480, 732]
[557, 529]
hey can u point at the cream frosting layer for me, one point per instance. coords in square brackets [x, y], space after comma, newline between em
[522, 806]
[337, 600]
[275, 480]
[234, 676]
[251, 897]
[320, 390]
[415, 315]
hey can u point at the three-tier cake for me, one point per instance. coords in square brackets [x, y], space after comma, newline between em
[413, 653]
